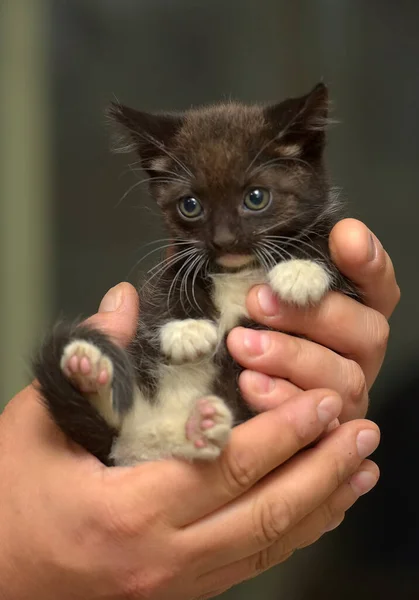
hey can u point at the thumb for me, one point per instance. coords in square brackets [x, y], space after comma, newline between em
[118, 313]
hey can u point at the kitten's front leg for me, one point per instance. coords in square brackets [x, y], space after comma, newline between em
[188, 340]
[300, 282]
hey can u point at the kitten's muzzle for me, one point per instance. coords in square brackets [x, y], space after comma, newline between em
[223, 239]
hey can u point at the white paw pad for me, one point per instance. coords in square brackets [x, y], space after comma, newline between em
[209, 427]
[299, 282]
[86, 367]
[188, 340]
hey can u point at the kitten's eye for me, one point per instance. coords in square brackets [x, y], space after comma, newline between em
[190, 207]
[257, 199]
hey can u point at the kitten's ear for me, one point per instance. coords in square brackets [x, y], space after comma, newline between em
[300, 123]
[146, 134]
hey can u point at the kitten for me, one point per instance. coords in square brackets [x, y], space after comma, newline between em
[245, 197]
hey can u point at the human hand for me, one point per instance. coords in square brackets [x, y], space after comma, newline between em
[72, 528]
[348, 339]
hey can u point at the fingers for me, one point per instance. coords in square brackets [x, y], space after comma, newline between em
[325, 517]
[302, 362]
[338, 322]
[263, 392]
[330, 514]
[360, 256]
[271, 509]
[256, 448]
[118, 313]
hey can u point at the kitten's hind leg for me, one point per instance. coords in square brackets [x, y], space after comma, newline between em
[91, 372]
[208, 427]
[197, 430]
[86, 382]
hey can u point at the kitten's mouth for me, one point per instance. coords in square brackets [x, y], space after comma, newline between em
[234, 260]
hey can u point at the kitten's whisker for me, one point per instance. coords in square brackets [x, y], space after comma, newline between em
[187, 260]
[176, 176]
[172, 287]
[167, 257]
[141, 182]
[261, 257]
[276, 226]
[184, 281]
[295, 243]
[170, 240]
[169, 263]
[191, 267]
[197, 269]
[142, 259]
[273, 248]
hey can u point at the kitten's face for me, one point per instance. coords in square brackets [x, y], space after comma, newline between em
[231, 178]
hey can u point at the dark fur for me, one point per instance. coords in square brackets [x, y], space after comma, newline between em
[214, 154]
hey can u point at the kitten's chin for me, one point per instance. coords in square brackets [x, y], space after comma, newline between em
[234, 261]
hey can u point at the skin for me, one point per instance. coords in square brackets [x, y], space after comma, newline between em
[347, 339]
[71, 528]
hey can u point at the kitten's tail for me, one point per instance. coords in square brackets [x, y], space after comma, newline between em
[70, 408]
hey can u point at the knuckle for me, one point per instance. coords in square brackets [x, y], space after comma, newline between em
[240, 469]
[334, 523]
[286, 351]
[379, 331]
[140, 584]
[272, 519]
[357, 385]
[269, 557]
[340, 468]
[291, 348]
[121, 521]
[328, 515]
[397, 295]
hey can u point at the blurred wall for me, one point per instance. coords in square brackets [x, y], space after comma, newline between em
[26, 296]
[166, 54]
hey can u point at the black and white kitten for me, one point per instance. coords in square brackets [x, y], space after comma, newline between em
[246, 200]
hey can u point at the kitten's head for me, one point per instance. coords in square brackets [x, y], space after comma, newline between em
[231, 178]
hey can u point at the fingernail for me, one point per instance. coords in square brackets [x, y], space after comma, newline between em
[367, 441]
[255, 342]
[363, 482]
[112, 300]
[268, 303]
[372, 248]
[260, 383]
[328, 409]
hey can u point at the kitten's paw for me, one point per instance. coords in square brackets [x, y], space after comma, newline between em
[208, 427]
[299, 282]
[188, 340]
[88, 369]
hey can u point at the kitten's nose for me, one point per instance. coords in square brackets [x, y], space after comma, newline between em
[223, 238]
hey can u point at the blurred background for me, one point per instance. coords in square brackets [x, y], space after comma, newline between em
[67, 234]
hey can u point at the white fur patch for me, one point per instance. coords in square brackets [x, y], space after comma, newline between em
[230, 293]
[188, 340]
[299, 282]
[290, 150]
[152, 431]
[157, 429]
[160, 164]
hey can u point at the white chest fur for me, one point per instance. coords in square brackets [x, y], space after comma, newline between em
[229, 296]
